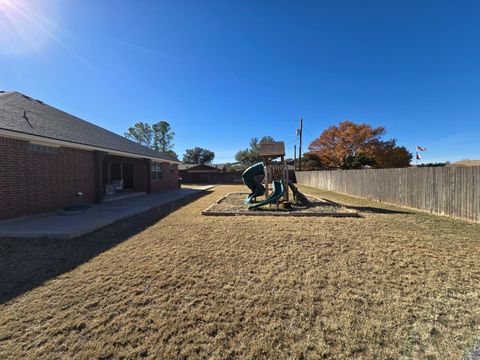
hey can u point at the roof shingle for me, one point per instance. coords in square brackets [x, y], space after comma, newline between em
[23, 114]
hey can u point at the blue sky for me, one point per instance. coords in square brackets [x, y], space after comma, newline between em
[222, 72]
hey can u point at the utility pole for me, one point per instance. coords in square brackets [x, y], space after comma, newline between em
[300, 130]
[294, 157]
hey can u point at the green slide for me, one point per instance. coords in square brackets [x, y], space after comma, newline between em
[249, 179]
[277, 193]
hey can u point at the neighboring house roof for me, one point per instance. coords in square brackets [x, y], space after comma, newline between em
[22, 114]
[220, 167]
[198, 167]
[466, 163]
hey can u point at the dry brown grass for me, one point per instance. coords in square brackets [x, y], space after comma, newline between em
[394, 284]
[466, 163]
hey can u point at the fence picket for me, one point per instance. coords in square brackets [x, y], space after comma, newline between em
[452, 191]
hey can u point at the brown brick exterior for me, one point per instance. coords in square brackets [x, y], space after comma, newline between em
[170, 179]
[34, 182]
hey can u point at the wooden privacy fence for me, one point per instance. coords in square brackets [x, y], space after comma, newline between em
[451, 191]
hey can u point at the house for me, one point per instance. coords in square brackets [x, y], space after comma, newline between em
[49, 159]
[199, 173]
[209, 174]
[200, 168]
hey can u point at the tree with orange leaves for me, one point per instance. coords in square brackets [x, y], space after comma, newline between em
[347, 140]
[349, 145]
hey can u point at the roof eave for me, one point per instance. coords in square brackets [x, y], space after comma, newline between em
[42, 139]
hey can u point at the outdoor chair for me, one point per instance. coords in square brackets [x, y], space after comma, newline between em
[118, 185]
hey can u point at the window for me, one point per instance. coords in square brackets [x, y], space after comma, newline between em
[157, 171]
[171, 168]
[43, 148]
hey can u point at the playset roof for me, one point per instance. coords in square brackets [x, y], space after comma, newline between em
[272, 149]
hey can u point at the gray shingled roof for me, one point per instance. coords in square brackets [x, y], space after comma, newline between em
[189, 166]
[48, 122]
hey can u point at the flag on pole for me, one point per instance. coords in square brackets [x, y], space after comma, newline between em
[418, 156]
[421, 148]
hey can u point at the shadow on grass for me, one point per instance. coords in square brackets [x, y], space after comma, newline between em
[372, 209]
[27, 263]
[377, 210]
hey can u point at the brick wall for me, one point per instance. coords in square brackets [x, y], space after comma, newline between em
[170, 179]
[35, 182]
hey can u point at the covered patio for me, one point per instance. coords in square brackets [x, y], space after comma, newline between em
[68, 225]
[124, 177]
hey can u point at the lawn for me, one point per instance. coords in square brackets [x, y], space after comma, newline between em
[392, 284]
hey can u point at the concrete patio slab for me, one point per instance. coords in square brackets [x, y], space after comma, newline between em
[199, 186]
[68, 225]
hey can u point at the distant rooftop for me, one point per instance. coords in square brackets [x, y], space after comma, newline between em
[219, 167]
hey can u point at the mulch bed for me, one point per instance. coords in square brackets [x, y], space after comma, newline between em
[232, 205]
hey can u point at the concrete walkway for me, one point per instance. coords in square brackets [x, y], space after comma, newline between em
[68, 225]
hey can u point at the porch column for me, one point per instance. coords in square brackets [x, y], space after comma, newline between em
[148, 184]
[99, 156]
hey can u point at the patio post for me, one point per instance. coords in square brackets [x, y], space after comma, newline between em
[99, 156]
[148, 189]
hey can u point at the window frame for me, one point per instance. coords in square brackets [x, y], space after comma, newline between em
[157, 171]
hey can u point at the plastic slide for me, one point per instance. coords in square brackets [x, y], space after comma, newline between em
[277, 193]
[249, 179]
